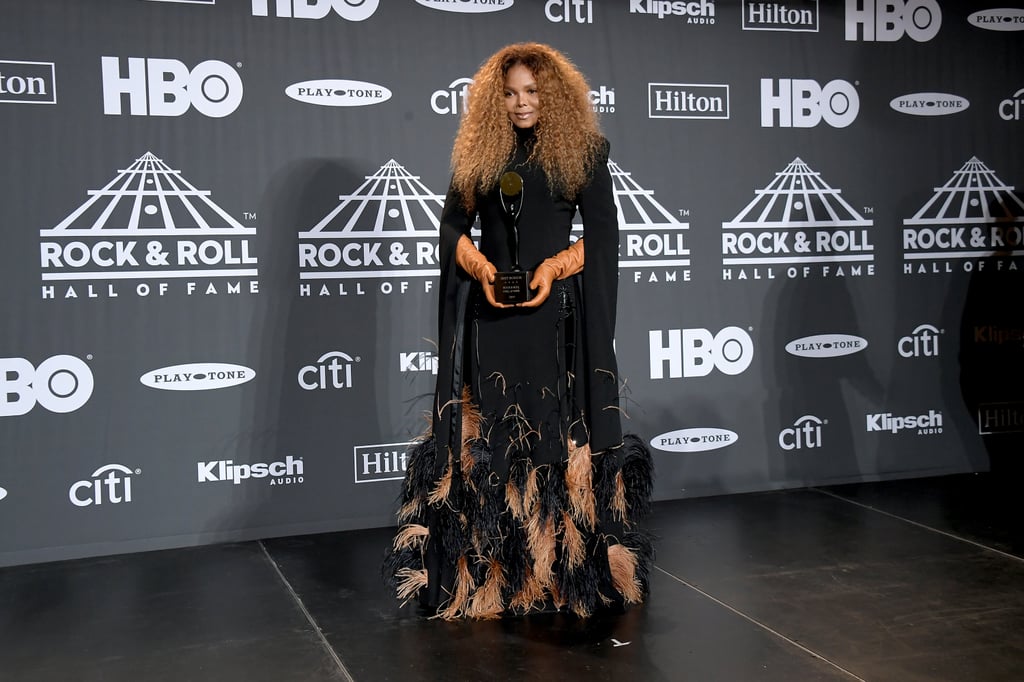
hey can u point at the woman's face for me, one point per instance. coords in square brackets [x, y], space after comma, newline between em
[521, 100]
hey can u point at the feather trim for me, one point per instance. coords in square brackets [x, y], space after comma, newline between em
[411, 581]
[456, 607]
[486, 602]
[623, 564]
[411, 535]
[579, 484]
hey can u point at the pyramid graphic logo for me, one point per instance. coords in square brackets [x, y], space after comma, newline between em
[797, 220]
[386, 228]
[974, 215]
[149, 222]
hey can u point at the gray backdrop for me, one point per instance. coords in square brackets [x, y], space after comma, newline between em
[219, 220]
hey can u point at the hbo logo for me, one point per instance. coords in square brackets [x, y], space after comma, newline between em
[61, 384]
[890, 20]
[695, 352]
[166, 87]
[353, 10]
[802, 103]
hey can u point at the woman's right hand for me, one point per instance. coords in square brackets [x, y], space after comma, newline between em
[478, 267]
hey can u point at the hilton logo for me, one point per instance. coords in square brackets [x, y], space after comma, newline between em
[775, 16]
[687, 100]
[384, 462]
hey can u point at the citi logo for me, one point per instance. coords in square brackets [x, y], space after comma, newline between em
[803, 103]
[382, 462]
[696, 352]
[197, 376]
[338, 93]
[569, 11]
[110, 484]
[826, 345]
[422, 361]
[797, 15]
[805, 434]
[603, 100]
[333, 370]
[352, 10]
[287, 472]
[925, 424]
[687, 100]
[923, 342]
[451, 100]
[890, 20]
[694, 440]
[1003, 19]
[929, 104]
[27, 82]
[467, 6]
[700, 12]
[167, 87]
[1010, 108]
[60, 384]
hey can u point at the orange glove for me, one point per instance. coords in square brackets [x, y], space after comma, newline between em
[563, 264]
[477, 266]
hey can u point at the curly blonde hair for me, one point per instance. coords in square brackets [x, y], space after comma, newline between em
[568, 136]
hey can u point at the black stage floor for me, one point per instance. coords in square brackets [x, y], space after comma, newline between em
[905, 580]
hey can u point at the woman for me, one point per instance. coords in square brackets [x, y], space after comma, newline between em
[526, 495]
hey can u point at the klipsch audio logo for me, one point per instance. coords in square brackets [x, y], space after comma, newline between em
[352, 10]
[603, 100]
[798, 226]
[826, 345]
[929, 104]
[804, 103]
[110, 484]
[805, 434]
[795, 15]
[59, 384]
[922, 424]
[197, 376]
[27, 82]
[971, 223]
[696, 352]
[1012, 108]
[152, 226]
[286, 472]
[687, 100]
[385, 230]
[694, 440]
[332, 371]
[890, 20]
[338, 93]
[695, 11]
[467, 6]
[167, 87]
[420, 361]
[383, 462]
[994, 336]
[451, 100]
[923, 342]
[569, 11]
[1003, 19]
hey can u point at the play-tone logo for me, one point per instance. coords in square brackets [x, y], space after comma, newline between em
[167, 87]
[332, 371]
[804, 103]
[451, 100]
[569, 11]
[1003, 19]
[890, 20]
[1007, 417]
[805, 434]
[687, 100]
[382, 462]
[110, 484]
[923, 342]
[197, 376]
[696, 352]
[973, 222]
[798, 226]
[352, 10]
[148, 223]
[924, 424]
[467, 6]
[1012, 108]
[60, 384]
[286, 472]
[695, 11]
[929, 104]
[338, 93]
[826, 345]
[694, 440]
[27, 82]
[795, 15]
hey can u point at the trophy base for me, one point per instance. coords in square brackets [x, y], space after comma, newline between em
[511, 288]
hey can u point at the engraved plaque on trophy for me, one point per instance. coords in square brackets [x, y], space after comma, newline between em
[512, 286]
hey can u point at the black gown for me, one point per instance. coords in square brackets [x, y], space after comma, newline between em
[526, 495]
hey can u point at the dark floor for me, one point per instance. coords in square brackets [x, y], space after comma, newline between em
[907, 580]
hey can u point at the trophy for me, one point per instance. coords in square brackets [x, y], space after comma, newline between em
[512, 287]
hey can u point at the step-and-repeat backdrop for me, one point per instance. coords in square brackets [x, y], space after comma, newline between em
[218, 274]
